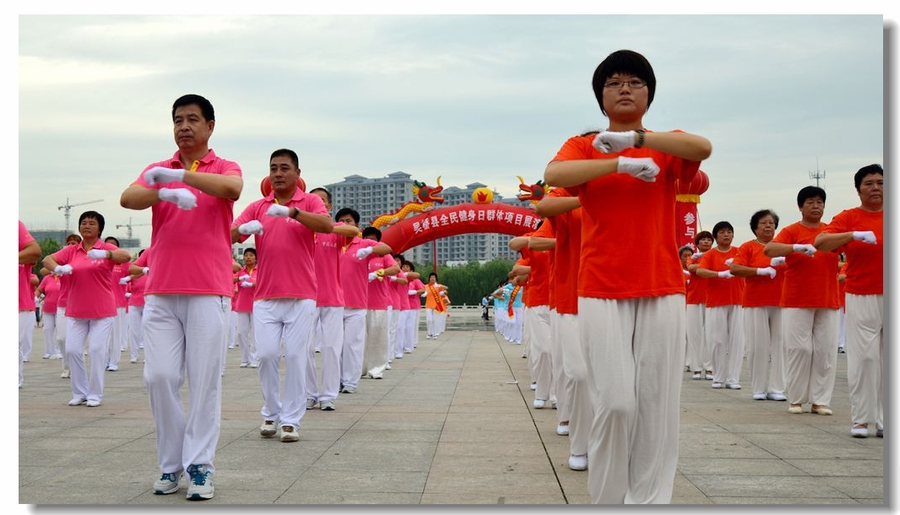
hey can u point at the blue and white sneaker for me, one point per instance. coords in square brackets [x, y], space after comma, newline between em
[200, 487]
[166, 484]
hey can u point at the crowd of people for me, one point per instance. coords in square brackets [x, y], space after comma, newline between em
[608, 334]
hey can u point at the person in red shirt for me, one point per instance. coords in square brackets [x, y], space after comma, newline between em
[809, 299]
[859, 234]
[630, 305]
[761, 311]
[699, 353]
[723, 309]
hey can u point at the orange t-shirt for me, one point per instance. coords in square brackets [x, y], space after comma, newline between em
[546, 231]
[809, 282]
[696, 286]
[433, 295]
[842, 286]
[566, 228]
[865, 261]
[759, 290]
[537, 289]
[721, 291]
[629, 249]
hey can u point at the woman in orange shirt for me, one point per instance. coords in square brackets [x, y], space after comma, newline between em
[699, 353]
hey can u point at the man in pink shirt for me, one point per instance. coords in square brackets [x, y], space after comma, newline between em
[354, 271]
[380, 269]
[192, 196]
[245, 286]
[328, 330]
[284, 224]
[29, 254]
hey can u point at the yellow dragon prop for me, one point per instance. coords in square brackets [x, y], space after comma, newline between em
[424, 199]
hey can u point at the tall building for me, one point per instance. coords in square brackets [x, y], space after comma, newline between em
[375, 197]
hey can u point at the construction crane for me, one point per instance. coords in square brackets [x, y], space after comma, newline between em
[129, 225]
[68, 207]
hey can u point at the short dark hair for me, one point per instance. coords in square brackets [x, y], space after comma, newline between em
[435, 276]
[412, 267]
[101, 222]
[864, 171]
[369, 231]
[701, 235]
[112, 238]
[250, 250]
[757, 216]
[808, 192]
[205, 106]
[686, 247]
[73, 237]
[344, 211]
[327, 193]
[286, 152]
[719, 226]
[623, 61]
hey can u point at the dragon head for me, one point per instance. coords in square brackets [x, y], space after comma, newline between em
[425, 193]
[531, 192]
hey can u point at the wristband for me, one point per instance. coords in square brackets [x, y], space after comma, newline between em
[640, 141]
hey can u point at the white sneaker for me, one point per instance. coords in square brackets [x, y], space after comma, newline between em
[244, 364]
[166, 484]
[200, 487]
[562, 430]
[327, 406]
[697, 375]
[289, 434]
[65, 374]
[539, 404]
[759, 396]
[310, 404]
[733, 386]
[776, 396]
[254, 364]
[268, 429]
[77, 401]
[533, 385]
[92, 403]
[45, 356]
[578, 461]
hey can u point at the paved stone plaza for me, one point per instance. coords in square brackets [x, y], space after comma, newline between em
[452, 423]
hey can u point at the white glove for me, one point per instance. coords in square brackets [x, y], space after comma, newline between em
[610, 142]
[97, 254]
[372, 276]
[805, 248]
[245, 277]
[146, 270]
[729, 261]
[277, 210]
[864, 236]
[411, 292]
[776, 261]
[246, 284]
[125, 280]
[725, 274]
[251, 227]
[127, 294]
[161, 175]
[363, 252]
[62, 269]
[183, 197]
[393, 278]
[424, 294]
[697, 255]
[766, 271]
[643, 168]
[443, 294]
[686, 272]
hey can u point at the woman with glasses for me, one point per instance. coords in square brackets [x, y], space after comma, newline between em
[631, 321]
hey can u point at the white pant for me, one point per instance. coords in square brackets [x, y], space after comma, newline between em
[246, 340]
[291, 320]
[431, 322]
[118, 336]
[698, 355]
[810, 354]
[865, 345]
[135, 313]
[26, 335]
[537, 324]
[634, 351]
[354, 346]
[61, 325]
[183, 337]
[573, 398]
[329, 338]
[375, 355]
[393, 322]
[440, 320]
[765, 340]
[402, 341]
[50, 345]
[724, 339]
[96, 331]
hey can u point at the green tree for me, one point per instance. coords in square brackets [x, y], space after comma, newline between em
[467, 284]
[48, 246]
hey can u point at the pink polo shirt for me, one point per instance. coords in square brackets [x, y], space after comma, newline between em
[328, 272]
[246, 296]
[186, 241]
[399, 293]
[90, 294]
[136, 287]
[379, 290]
[285, 248]
[355, 273]
[118, 272]
[50, 286]
[26, 291]
[414, 300]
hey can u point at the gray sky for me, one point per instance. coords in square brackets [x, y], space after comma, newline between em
[469, 98]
